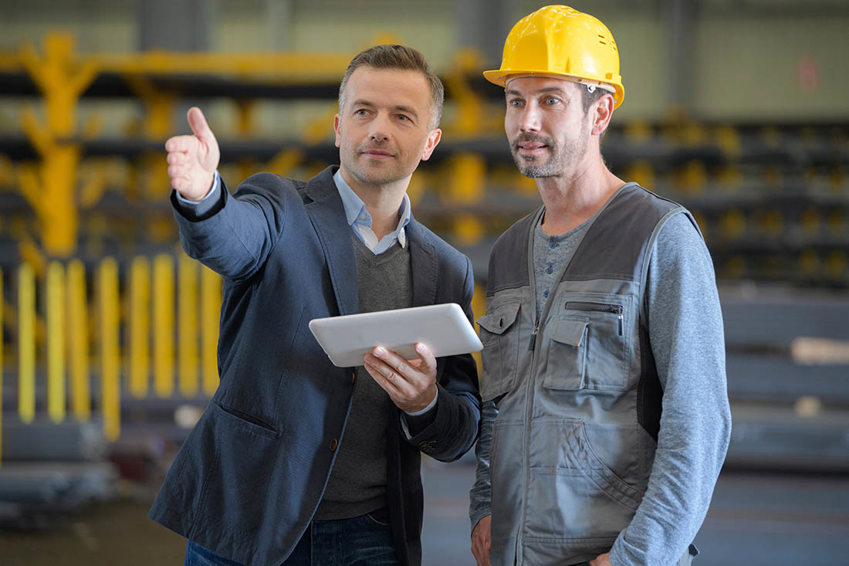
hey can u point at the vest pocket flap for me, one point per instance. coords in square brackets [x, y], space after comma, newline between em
[498, 321]
[569, 332]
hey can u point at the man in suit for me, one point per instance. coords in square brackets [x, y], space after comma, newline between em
[296, 461]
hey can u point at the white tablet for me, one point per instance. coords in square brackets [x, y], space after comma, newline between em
[442, 328]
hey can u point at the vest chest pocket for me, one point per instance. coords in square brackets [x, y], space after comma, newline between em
[565, 364]
[500, 338]
[588, 348]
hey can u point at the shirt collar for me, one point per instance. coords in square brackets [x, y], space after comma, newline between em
[357, 215]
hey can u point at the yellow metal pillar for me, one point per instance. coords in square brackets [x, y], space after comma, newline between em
[55, 340]
[163, 321]
[139, 341]
[26, 343]
[188, 326]
[51, 188]
[159, 126]
[78, 341]
[210, 295]
[110, 360]
[467, 173]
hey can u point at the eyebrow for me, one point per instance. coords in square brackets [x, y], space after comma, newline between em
[546, 90]
[400, 107]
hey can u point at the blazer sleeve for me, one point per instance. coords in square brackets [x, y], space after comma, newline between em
[235, 236]
[454, 427]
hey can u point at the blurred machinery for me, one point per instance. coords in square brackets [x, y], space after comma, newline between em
[105, 320]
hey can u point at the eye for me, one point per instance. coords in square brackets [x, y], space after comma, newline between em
[551, 100]
[515, 102]
[360, 112]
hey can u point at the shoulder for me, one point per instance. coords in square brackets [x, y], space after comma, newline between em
[426, 237]
[286, 192]
[517, 234]
[270, 186]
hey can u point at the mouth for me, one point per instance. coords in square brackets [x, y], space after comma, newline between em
[525, 146]
[379, 154]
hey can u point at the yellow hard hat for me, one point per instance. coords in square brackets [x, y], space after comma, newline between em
[562, 42]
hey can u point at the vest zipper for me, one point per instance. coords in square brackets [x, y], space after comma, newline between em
[599, 307]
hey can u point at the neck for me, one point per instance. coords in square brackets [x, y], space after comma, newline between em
[382, 201]
[569, 202]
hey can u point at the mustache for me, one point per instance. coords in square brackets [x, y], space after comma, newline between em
[528, 137]
[373, 145]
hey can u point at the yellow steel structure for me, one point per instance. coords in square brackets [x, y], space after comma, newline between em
[78, 341]
[187, 319]
[26, 343]
[163, 323]
[55, 338]
[62, 75]
[139, 331]
[57, 301]
[110, 360]
[210, 300]
[467, 175]
[50, 188]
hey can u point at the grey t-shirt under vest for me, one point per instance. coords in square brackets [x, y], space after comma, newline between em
[357, 482]
[551, 254]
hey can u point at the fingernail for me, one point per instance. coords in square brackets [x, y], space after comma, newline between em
[379, 351]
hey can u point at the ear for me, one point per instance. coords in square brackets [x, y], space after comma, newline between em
[432, 139]
[337, 129]
[601, 114]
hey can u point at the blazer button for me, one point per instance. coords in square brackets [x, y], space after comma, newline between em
[333, 444]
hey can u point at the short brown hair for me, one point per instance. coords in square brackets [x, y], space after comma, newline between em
[398, 57]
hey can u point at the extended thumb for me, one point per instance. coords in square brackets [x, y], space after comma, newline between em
[197, 122]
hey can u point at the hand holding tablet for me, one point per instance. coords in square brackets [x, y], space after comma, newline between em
[443, 328]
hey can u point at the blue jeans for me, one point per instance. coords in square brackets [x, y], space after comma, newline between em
[361, 541]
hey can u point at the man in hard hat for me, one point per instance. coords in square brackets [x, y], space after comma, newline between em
[296, 461]
[606, 417]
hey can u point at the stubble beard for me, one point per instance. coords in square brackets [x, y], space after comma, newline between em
[534, 166]
[374, 174]
[538, 167]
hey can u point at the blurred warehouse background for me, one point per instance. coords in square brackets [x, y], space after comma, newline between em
[735, 108]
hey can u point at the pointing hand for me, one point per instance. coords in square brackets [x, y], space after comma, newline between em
[193, 159]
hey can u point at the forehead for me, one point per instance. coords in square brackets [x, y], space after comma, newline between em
[541, 85]
[388, 87]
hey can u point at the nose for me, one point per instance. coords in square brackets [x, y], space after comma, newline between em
[529, 118]
[379, 127]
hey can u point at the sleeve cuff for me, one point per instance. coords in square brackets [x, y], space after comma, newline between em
[206, 204]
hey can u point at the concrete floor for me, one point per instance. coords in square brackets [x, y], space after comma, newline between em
[756, 519]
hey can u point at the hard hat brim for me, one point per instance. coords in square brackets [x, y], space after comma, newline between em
[500, 78]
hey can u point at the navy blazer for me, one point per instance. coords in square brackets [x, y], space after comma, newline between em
[250, 475]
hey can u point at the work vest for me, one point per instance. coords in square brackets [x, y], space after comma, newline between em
[577, 391]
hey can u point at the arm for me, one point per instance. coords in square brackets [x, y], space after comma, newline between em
[229, 235]
[480, 496]
[686, 333]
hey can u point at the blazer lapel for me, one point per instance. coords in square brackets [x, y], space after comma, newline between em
[327, 215]
[423, 264]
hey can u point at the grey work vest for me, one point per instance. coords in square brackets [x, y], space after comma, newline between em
[577, 392]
